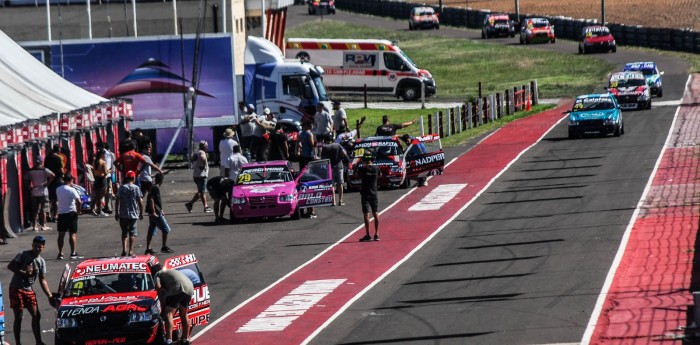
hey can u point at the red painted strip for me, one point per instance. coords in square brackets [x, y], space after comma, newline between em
[360, 264]
[649, 296]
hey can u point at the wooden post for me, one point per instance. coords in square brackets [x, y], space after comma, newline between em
[470, 115]
[365, 93]
[479, 89]
[430, 124]
[535, 94]
[479, 111]
[460, 119]
[516, 100]
[441, 124]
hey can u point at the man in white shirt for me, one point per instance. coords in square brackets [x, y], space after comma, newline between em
[226, 149]
[247, 125]
[340, 118]
[68, 209]
[234, 164]
[323, 124]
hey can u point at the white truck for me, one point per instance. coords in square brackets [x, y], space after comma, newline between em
[290, 88]
[351, 65]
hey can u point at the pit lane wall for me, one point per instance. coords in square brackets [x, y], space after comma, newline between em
[683, 40]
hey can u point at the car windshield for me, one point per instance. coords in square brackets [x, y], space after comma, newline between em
[628, 82]
[426, 13]
[109, 283]
[601, 103]
[501, 22]
[648, 71]
[540, 24]
[258, 175]
[598, 32]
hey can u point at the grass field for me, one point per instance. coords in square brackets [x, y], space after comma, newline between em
[458, 64]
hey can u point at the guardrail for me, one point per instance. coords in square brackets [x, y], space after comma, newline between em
[482, 110]
[683, 40]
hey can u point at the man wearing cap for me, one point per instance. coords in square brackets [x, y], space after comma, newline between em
[26, 267]
[177, 290]
[40, 178]
[340, 118]
[388, 129]
[226, 148]
[68, 207]
[261, 134]
[370, 173]
[128, 209]
[200, 173]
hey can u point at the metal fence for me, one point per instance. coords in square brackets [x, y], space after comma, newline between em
[683, 40]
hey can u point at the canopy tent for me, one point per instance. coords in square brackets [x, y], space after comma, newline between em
[31, 90]
[38, 107]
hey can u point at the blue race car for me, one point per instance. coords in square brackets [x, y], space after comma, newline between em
[597, 114]
[651, 72]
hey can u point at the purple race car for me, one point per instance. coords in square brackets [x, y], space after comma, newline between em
[272, 189]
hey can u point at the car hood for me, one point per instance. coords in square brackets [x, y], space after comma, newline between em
[76, 306]
[593, 114]
[263, 189]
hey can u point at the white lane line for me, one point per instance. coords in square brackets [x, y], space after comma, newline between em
[280, 315]
[625, 238]
[430, 237]
[437, 197]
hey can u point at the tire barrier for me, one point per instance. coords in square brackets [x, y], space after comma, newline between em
[677, 39]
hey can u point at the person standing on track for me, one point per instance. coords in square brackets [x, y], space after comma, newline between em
[370, 173]
[69, 207]
[200, 173]
[54, 163]
[156, 216]
[40, 178]
[128, 209]
[26, 267]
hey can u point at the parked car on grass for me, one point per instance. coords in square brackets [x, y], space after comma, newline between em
[596, 38]
[595, 114]
[536, 30]
[497, 24]
[652, 75]
[423, 18]
[631, 90]
[321, 6]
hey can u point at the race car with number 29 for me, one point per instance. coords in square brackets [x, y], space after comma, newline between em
[595, 114]
[631, 90]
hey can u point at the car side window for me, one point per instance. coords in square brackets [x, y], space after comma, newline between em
[393, 62]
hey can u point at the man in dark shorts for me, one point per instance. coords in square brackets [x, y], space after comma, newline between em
[156, 217]
[40, 178]
[176, 290]
[69, 207]
[336, 154]
[54, 163]
[219, 188]
[388, 129]
[128, 209]
[26, 267]
[370, 173]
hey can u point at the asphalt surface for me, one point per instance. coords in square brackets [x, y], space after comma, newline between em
[522, 265]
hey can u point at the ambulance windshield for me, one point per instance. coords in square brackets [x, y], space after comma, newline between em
[408, 59]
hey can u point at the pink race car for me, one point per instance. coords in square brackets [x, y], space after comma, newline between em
[272, 189]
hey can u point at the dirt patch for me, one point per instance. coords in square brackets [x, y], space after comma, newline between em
[648, 13]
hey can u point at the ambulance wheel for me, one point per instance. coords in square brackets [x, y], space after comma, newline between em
[410, 92]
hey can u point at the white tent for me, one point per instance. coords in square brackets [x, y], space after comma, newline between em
[31, 90]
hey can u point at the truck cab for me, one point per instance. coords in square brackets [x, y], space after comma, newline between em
[290, 88]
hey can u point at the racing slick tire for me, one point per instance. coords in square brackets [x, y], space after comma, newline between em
[614, 49]
[521, 40]
[659, 93]
[483, 35]
[297, 214]
[410, 27]
[437, 27]
[554, 40]
[648, 104]
[618, 131]
[410, 92]
[512, 35]
[573, 134]
[59, 341]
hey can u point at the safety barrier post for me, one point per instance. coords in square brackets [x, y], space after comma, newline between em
[499, 105]
[516, 99]
[430, 124]
[460, 118]
[526, 94]
[508, 102]
[420, 125]
[535, 93]
[479, 111]
[441, 129]
[422, 95]
[365, 94]
[494, 116]
[470, 115]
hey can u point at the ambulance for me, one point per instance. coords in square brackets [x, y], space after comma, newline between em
[352, 64]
